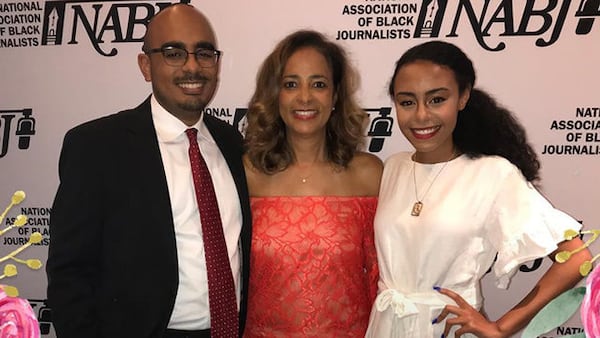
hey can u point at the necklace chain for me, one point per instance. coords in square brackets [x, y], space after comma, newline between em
[311, 171]
[418, 206]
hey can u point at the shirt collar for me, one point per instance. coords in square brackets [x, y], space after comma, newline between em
[171, 129]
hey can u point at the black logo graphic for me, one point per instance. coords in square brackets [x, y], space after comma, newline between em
[43, 314]
[544, 21]
[25, 128]
[430, 18]
[587, 10]
[239, 119]
[381, 127]
[102, 21]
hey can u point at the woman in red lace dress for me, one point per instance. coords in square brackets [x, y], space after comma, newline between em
[313, 195]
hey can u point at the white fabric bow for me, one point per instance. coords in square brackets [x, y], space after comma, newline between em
[400, 304]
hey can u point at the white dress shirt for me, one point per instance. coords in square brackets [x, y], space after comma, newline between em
[191, 311]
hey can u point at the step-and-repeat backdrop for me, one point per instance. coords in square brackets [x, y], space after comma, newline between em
[66, 62]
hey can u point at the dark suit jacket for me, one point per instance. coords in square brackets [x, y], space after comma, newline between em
[112, 260]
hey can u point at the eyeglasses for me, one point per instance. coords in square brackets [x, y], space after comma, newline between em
[177, 57]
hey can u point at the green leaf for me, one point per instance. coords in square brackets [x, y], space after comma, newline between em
[555, 313]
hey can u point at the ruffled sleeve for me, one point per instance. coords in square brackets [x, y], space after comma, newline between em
[523, 225]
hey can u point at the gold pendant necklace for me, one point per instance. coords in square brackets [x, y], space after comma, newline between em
[304, 178]
[418, 206]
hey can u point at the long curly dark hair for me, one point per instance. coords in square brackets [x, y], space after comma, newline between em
[265, 135]
[483, 127]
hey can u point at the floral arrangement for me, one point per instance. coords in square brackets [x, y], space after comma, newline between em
[585, 298]
[17, 319]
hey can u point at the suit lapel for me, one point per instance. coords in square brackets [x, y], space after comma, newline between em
[141, 151]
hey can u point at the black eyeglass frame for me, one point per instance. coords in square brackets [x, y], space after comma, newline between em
[214, 61]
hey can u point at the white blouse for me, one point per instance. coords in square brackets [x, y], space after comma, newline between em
[475, 210]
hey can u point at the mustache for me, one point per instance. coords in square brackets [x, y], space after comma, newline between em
[192, 77]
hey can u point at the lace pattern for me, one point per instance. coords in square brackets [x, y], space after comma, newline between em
[314, 268]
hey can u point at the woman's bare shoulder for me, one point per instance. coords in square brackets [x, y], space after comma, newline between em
[366, 170]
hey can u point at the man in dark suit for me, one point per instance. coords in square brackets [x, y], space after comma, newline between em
[126, 257]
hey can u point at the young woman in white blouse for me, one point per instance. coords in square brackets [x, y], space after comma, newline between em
[463, 202]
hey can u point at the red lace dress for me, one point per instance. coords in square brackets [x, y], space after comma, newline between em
[313, 269]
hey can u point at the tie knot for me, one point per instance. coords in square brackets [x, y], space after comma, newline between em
[191, 133]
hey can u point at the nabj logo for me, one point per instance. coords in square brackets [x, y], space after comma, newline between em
[492, 21]
[100, 22]
[380, 127]
[25, 128]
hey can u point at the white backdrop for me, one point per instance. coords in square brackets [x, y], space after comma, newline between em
[539, 58]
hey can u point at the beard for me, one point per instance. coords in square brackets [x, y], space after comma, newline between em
[187, 108]
[193, 105]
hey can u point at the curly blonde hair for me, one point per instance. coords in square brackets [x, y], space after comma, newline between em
[265, 135]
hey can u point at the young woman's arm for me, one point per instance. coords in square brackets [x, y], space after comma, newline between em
[559, 278]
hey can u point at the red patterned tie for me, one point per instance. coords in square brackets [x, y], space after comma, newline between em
[224, 319]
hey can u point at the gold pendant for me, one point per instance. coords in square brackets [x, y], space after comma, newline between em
[416, 210]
